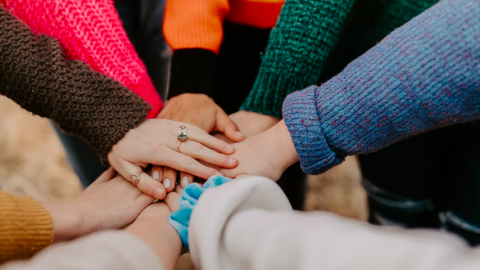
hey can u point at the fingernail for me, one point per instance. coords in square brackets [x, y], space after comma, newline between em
[185, 181]
[219, 173]
[166, 183]
[231, 160]
[158, 193]
[230, 147]
[239, 133]
[156, 175]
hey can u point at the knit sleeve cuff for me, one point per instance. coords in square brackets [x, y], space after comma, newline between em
[26, 227]
[180, 219]
[193, 71]
[266, 97]
[301, 119]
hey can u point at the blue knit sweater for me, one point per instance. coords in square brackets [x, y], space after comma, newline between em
[424, 75]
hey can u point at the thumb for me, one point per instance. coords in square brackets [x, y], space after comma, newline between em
[225, 125]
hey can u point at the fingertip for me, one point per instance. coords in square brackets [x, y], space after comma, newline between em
[234, 135]
[159, 193]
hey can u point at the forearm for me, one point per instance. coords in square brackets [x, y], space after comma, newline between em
[35, 74]
[298, 46]
[423, 76]
[194, 31]
[66, 221]
[90, 31]
[162, 238]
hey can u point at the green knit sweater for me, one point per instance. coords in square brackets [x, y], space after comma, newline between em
[310, 32]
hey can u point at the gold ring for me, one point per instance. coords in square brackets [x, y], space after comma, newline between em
[182, 134]
[136, 177]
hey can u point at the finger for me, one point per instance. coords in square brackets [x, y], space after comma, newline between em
[185, 179]
[146, 184]
[157, 173]
[172, 201]
[178, 189]
[169, 178]
[201, 152]
[225, 125]
[198, 135]
[105, 176]
[143, 201]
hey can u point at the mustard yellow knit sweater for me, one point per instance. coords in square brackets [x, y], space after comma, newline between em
[26, 227]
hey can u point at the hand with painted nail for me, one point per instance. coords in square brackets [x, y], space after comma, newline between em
[155, 142]
[108, 203]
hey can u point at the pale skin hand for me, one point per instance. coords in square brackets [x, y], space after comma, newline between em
[252, 123]
[108, 203]
[201, 111]
[266, 154]
[153, 228]
[155, 142]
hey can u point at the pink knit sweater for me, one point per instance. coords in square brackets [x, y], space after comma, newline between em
[90, 31]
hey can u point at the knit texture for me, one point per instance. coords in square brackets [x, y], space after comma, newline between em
[35, 74]
[25, 227]
[422, 76]
[300, 42]
[90, 31]
[193, 71]
[367, 24]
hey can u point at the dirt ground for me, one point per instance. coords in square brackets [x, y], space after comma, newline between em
[33, 163]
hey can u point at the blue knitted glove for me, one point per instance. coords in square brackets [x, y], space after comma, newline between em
[180, 219]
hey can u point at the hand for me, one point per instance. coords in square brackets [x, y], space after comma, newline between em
[266, 154]
[153, 228]
[251, 123]
[106, 204]
[201, 111]
[155, 142]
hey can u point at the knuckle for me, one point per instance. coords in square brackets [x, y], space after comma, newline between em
[188, 161]
[197, 148]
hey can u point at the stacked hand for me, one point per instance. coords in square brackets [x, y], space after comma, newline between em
[155, 142]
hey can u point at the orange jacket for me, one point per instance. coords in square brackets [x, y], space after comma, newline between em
[198, 23]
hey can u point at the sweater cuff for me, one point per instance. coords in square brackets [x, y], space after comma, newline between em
[193, 71]
[301, 119]
[26, 227]
[265, 97]
[180, 219]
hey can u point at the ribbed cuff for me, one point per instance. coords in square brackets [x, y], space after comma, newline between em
[265, 96]
[193, 71]
[303, 122]
[26, 227]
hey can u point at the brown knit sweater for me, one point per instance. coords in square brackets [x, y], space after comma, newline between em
[35, 74]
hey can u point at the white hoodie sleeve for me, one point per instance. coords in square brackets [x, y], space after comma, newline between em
[249, 224]
[108, 250]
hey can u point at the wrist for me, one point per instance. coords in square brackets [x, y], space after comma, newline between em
[161, 237]
[67, 221]
[282, 142]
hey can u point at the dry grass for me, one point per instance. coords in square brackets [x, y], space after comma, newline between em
[32, 159]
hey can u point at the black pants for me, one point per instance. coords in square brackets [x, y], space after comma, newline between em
[431, 181]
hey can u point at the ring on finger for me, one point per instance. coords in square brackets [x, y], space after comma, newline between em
[182, 136]
[135, 178]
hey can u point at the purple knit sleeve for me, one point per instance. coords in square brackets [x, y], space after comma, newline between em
[424, 75]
